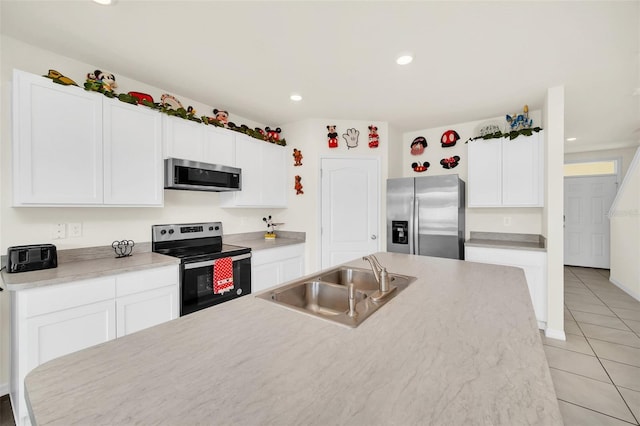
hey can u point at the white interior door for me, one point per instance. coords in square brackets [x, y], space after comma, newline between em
[587, 201]
[350, 195]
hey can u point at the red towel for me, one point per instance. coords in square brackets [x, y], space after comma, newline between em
[222, 275]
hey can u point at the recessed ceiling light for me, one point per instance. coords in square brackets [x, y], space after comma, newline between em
[295, 97]
[104, 2]
[404, 59]
[571, 139]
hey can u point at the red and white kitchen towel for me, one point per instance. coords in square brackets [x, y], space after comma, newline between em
[222, 275]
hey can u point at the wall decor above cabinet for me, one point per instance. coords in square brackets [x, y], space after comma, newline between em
[418, 145]
[74, 148]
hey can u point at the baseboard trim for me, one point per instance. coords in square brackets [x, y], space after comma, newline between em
[625, 289]
[555, 334]
[4, 389]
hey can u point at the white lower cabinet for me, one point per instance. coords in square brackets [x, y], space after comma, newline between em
[56, 320]
[272, 267]
[534, 264]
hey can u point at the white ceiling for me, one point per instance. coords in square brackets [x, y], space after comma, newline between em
[473, 60]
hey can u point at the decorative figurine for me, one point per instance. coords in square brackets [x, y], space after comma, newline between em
[373, 137]
[417, 167]
[449, 138]
[520, 121]
[102, 81]
[123, 248]
[57, 77]
[297, 157]
[332, 136]
[298, 185]
[222, 116]
[271, 228]
[273, 135]
[418, 145]
[450, 163]
[351, 138]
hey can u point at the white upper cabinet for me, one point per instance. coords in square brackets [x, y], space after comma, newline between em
[132, 155]
[57, 143]
[77, 148]
[189, 140]
[264, 175]
[506, 173]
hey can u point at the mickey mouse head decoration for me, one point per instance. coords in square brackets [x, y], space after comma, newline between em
[449, 138]
[450, 163]
[222, 116]
[332, 136]
[418, 145]
[273, 135]
[417, 167]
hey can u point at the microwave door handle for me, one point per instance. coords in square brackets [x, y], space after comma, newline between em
[213, 262]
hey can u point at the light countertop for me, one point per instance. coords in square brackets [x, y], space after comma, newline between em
[502, 240]
[459, 346]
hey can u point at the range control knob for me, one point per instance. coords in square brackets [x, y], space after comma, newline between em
[211, 228]
[217, 228]
[164, 231]
[171, 231]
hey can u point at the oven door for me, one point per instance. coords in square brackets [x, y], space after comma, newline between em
[196, 280]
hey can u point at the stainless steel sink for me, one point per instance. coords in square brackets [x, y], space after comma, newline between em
[326, 295]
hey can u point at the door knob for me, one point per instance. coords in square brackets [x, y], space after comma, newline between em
[373, 237]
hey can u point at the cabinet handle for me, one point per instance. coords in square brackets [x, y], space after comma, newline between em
[373, 237]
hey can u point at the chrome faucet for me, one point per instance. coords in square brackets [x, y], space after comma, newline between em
[382, 277]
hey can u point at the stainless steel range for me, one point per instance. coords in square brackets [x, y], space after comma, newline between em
[207, 275]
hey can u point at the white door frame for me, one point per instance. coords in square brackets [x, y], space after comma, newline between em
[319, 199]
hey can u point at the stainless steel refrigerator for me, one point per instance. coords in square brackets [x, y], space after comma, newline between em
[425, 216]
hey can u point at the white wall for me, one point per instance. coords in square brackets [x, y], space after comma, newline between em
[625, 232]
[521, 220]
[552, 221]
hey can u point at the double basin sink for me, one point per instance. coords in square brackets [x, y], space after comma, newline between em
[327, 296]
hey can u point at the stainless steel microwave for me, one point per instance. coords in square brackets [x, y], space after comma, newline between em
[196, 176]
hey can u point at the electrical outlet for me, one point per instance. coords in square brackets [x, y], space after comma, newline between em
[507, 221]
[75, 230]
[58, 231]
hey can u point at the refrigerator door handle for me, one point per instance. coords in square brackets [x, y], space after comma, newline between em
[412, 226]
[416, 225]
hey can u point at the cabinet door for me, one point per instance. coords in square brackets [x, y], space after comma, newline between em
[133, 172]
[57, 143]
[249, 159]
[183, 138]
[60, 333]
[265, 276]
[485, 173]
[219, 146]
[274, 176]
[292, 268]
[143, 310]
[522, 169]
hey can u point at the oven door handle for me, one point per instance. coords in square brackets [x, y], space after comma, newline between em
[213, 262]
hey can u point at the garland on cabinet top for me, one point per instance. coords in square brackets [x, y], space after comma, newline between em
[105, 83]
[517, 124]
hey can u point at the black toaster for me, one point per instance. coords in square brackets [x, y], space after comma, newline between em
[31, 258]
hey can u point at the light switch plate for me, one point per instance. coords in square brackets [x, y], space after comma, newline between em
[58, 231]
[75, 230]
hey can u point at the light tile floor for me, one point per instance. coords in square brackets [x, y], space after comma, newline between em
[596, 371]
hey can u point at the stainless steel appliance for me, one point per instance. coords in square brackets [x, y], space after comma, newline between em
[196, 176]
[31, 258]
[425, 216]
[199, 247]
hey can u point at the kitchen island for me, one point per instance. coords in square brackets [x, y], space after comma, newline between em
[459, 346]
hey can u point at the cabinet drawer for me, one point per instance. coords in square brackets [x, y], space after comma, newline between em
[139, 281]
[64, 296]
[276, 254]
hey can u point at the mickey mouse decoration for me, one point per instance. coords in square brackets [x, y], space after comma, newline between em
[298, 185]
[107, 81]
[332, 136]
[418, 145]
[373, 137]
[222, 116]
[449, 138]
[351, 137]
[417, 167]
[450, 163]
[297, 157]
[273, 135]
